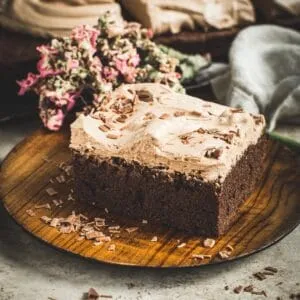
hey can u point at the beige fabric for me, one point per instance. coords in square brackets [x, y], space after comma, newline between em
[174, 16]
[56, 18]
[292, 6]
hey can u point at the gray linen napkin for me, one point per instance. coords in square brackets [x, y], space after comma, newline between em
[263, 74]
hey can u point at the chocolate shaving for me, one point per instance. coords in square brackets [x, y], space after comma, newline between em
[61, 179]
[258, 119]
[47, 206]
[30, 212]
[237, 289]
[209, 243]
[131, 229]
[144, 95]
[263, 293]
[121, 119]
[104, 128]
[46, 219]
[237, 110]
[248, 288]
[195, 113]
[259, 276]
[181, 245]
[111, 247]
[201, 256]
[271, 269]
[112, 136]
[51, 191]
[154, 239]
[224, 254]
[213, 153]
[164, 116]
[179, 113]
[92, 294]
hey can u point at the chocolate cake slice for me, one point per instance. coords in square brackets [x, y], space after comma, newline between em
[149, 153]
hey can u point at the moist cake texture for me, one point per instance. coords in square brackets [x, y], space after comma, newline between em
[148, 152]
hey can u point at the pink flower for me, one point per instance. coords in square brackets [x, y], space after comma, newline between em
[72, 64]
[149, 33]
[55, 122]
[45, 69]
[46, 50]
[121, 66]
[86, 33]
[110, 74]
[134, 60]
[27, 83]
[130, 75]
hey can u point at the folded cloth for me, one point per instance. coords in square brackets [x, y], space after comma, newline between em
[263, 74]
[174, 16]
[55, 18]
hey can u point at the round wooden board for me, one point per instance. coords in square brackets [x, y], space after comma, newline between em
[272, 211]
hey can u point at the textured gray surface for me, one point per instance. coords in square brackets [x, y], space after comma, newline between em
[31, 270]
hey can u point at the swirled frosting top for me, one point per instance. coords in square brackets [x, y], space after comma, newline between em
[151, 124]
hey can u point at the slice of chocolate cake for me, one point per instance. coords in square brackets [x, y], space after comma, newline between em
[149, 153]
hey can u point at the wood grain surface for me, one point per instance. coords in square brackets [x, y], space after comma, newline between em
[272, 211]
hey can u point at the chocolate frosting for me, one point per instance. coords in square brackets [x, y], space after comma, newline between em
[151, 124]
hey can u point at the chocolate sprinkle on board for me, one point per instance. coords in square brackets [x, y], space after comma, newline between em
[51, 191]
[92, 294]
[226, 288]
[248, 288]
[131, 229]
[181, 245]
[30, 212]
[209, 243]
[271, 269]
[259, 276]
[154, 239]
[237, 289]
[111, 247]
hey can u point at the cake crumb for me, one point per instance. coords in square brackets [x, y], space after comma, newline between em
[144, 222]
[51, 191]
[106, 210]
[209, 243]
[154, 239]
[30, 212]
[181, 245]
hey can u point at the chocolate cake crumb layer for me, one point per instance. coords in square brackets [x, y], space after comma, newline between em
[190, 170]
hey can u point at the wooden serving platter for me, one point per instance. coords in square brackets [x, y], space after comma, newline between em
[272, 211]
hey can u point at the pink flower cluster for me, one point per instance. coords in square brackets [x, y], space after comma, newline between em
[98, 60]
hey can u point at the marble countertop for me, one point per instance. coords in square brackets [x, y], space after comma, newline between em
[31, 270]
